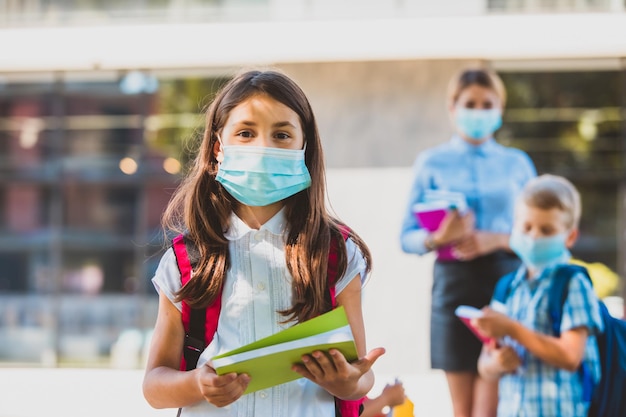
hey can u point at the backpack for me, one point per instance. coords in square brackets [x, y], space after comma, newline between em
[608, 397]
[201, 324]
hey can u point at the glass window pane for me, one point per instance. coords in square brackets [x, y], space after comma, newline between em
[571, 124]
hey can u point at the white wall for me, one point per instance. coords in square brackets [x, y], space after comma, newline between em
[397, 296]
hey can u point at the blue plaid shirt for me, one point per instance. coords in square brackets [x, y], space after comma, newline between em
[489, 175]
[538, 389]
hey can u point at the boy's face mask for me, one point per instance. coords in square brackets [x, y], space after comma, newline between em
[539, 253]
[477, 124]
[260, 176]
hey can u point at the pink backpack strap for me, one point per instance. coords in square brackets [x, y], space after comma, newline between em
[200, 324]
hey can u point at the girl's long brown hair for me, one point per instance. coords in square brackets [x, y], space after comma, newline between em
[201, 207]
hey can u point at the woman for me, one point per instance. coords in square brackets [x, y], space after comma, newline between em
[488, 177]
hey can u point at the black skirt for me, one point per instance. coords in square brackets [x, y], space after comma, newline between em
[453, 347]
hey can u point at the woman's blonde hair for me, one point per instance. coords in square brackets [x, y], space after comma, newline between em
[475, 76]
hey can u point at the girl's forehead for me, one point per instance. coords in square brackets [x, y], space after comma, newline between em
[261, 105]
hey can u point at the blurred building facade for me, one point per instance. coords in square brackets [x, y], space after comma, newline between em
[101, 105]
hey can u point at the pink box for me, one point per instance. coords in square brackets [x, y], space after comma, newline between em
[430, 220]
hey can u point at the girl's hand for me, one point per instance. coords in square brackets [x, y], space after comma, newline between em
[334, 373]
[494, 324]
[479, 243]
[221, 390]
[454, 227]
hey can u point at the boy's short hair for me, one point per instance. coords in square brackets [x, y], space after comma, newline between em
[549, 191]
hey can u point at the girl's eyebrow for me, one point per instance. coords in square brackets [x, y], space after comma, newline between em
[275, 125]
[283, 124]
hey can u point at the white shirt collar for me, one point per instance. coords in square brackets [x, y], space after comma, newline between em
[277, 225]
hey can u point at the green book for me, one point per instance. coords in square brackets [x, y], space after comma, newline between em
[268, 361]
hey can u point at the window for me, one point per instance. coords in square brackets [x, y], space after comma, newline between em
[571, 124]
[88, 162]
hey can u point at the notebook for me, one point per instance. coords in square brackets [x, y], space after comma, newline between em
[434, 208]
[268, 361]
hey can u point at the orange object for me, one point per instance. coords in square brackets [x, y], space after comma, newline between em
[403, 410]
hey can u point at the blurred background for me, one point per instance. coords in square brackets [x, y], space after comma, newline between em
[101, 109]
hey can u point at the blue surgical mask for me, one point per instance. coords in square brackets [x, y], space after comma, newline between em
[539, 253]
[478, 124]
[260, 176]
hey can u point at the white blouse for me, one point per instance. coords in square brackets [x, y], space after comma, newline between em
[257, 285]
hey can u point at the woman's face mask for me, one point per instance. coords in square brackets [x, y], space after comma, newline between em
[477, 112]
[477, 124]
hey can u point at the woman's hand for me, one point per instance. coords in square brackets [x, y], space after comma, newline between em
[479, 243]
[334, 373]
[221, 390]
[454, 227]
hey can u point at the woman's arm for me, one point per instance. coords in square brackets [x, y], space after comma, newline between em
[481, 243]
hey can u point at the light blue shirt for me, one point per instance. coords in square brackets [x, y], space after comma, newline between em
[489, 175]
[539, 389]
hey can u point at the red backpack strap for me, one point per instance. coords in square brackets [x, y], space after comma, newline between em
[200, 324]
[332, 263]
[343, 408]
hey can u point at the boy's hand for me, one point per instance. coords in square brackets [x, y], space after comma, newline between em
[334, 373]
[494, 324]
[221, 390]
[505, 359]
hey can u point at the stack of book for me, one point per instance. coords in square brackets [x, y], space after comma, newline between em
[268, 361]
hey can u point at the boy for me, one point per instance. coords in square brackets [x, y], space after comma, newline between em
[538, 371]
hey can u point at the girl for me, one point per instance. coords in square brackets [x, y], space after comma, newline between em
[254, 206]
[489, 176]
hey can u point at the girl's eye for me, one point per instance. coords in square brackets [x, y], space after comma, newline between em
[245, 134]
[487, 105]
[547, 231]
[470, 105]
[282, 135]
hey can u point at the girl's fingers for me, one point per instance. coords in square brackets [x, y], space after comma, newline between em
[324, 362]
[221, 395]
[309, 368]
[365, 363]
